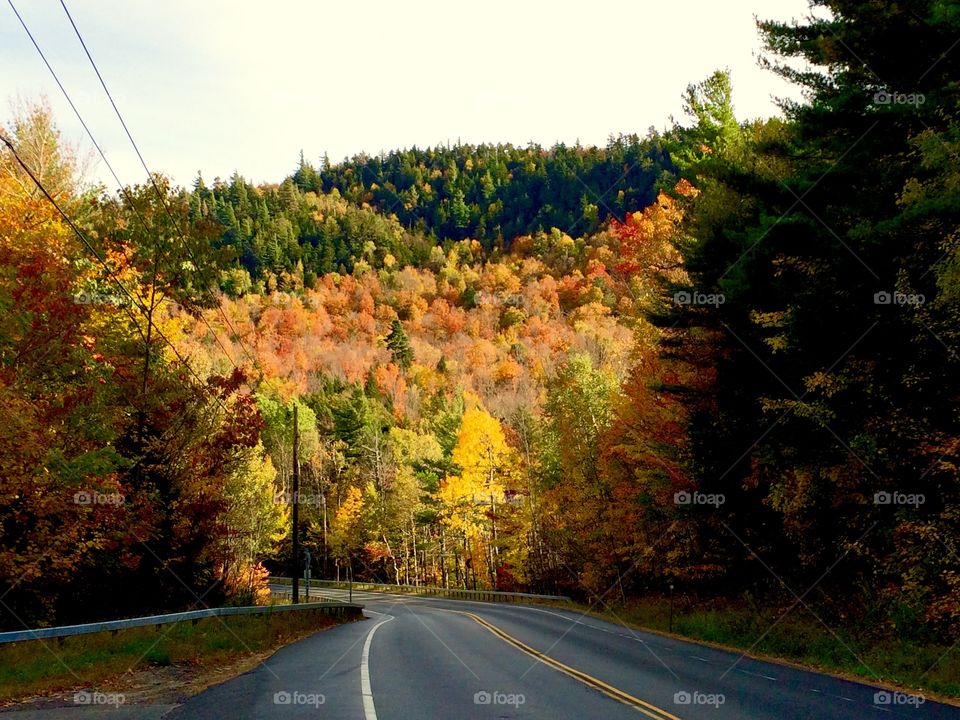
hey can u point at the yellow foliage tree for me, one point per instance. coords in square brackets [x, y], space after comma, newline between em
[347, 526]
[254, 521]
[470, 501]
[485, 461]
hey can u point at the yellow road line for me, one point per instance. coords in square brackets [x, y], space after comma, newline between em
[651, 711]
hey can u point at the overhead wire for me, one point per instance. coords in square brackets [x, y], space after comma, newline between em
[110, 273]
[121, 187]
[150, 175]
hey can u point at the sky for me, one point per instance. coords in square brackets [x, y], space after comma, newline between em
[219, 87]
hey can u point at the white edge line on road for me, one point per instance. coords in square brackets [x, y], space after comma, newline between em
[759, 675]
[369, 710]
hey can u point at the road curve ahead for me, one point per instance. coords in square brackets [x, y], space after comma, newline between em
[417, 657]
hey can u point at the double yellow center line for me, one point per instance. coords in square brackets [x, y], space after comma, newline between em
[651, 711]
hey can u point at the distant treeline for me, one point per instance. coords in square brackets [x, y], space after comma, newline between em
[405, 202]
[493, 192]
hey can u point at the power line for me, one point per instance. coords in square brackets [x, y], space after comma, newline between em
[150, 175]
[120, 185]
[110, 275]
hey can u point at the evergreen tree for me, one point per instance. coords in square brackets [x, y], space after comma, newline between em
[399, 345]
[829, 390]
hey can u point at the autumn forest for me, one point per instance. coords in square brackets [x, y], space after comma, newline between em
[717, 361]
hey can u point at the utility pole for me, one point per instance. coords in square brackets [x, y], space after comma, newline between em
[306, 571]
[671, 607]
[323, 499]
[295, 562]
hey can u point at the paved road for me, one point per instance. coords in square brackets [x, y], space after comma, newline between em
[429, 658]
[417, 657]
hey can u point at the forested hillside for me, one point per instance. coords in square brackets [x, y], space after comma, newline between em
[404, 203]
[497, 192]
[460, 407]
[719, 361]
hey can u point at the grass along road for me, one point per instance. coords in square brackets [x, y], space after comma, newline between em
[147, 664]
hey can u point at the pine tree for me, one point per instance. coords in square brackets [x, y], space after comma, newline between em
[826, 396]
[399, 345]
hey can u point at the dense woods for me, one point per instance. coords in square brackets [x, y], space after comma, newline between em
[721, 359]
[495, 193]
[405, 203]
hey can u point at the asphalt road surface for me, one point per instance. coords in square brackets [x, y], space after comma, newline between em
[417, 657]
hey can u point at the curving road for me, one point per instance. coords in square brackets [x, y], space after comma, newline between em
[429, 658]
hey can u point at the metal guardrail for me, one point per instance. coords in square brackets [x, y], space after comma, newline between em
[315, 595]
[455, 593]
[327, 608]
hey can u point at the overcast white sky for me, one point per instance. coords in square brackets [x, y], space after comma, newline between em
[221, 86]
